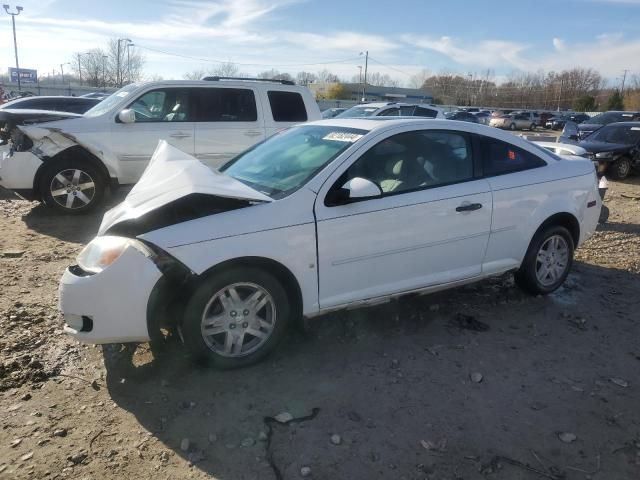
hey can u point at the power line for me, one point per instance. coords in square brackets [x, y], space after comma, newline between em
[213, 60]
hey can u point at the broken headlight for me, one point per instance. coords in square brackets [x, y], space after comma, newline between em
[103, 251]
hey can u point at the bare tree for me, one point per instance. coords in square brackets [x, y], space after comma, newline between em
[325, 76]
[417, 79]
[305, 78]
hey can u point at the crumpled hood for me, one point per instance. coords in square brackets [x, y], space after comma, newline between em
[171, 175]
[31, 116]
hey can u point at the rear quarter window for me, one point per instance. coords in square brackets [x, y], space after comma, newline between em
[287, 106]
[501, 158]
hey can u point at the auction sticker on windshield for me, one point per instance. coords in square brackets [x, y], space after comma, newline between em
[342, 137]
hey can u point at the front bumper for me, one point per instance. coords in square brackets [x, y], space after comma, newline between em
[110, 306]
[18, 170]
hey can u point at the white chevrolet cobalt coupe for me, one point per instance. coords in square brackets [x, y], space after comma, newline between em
[319, 217]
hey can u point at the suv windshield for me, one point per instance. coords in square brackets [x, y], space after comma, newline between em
[112, 100]
[617, 134]
[286, 161]
[357, 111]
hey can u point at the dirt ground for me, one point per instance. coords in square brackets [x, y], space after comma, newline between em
[390, 392]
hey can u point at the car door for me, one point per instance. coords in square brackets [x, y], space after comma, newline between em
[160, 114]
[429, 226]
[228, 122]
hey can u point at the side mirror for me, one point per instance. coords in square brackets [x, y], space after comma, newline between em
[127, 116]
[359, 188]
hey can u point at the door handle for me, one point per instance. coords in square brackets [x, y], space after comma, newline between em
[469, 207]
[180, 135]
[252, 133]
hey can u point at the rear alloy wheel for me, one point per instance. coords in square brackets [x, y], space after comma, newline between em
[72, 187]
[512, 126]
[532, 127]
[547, 262]
[236, 317]
[621, 168]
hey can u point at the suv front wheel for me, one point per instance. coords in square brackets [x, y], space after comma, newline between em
[72, 186]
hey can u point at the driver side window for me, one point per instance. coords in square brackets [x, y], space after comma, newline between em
[162, 105]
[415, 160]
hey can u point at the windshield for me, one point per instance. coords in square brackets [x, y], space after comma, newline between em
[283, 163]
[617, 134]
[111, 101]
[355, 112]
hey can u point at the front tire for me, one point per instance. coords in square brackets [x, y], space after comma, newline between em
[547, 262]
[621, 168]
[236, 317]
[72, 186]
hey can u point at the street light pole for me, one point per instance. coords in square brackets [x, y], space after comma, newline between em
[62, 70]
[15, 42]
[118, 63]
[129, 61]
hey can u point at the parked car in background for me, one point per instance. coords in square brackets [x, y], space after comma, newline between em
[559, 121]
[70, 164]
[392, 109]
[592, 124]
[483, 117]
[615, 148]
[462, 115]
[563, 148]
[543, 117]
[332, 112]
[320, 217]
[515, 121]
[58, 104]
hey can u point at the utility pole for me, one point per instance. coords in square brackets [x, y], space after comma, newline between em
[104, 76]
[15, 42]
[624, 77]
[364, 84]
[560, 94]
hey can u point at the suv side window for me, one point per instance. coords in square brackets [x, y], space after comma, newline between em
[287, 106]
[163, 105]
[501, 158]
[407, 111]
[415, 160]
[425, 112]
[225, 105]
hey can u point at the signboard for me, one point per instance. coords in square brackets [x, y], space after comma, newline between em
[26, 75]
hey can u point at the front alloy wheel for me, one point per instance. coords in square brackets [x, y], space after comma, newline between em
[238, 320]
[72, 189]
[236, 316]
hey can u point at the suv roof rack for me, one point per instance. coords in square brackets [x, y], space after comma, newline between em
[272, 80]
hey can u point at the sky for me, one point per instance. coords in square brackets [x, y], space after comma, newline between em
[403, 37]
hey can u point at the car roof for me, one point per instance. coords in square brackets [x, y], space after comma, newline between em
[218, 83]
[393, 104]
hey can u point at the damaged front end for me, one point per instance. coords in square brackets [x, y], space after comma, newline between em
[175, 188]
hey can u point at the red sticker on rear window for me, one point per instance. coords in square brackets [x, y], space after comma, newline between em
[512, 155]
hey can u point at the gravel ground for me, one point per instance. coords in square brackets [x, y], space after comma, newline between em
[478, 382]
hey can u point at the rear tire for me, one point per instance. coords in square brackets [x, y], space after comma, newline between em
[512, 126]
[236, 317]
[72, 186]
[621, 168]
[547, 262]
[532, 127]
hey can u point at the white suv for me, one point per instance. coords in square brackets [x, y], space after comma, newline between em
[69, 164]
